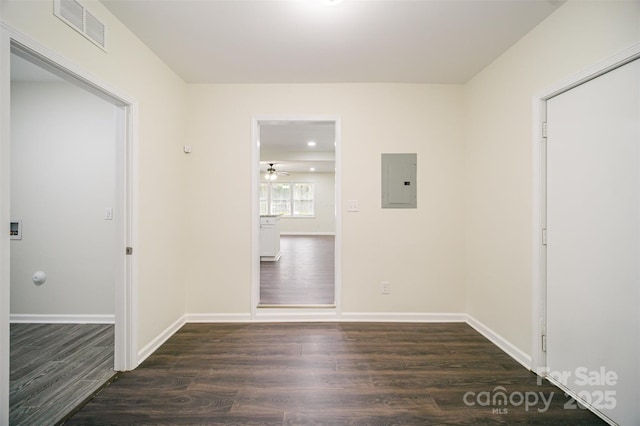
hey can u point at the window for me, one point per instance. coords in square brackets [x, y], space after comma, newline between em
[287, 198]
[303, 199]
[281, 198]
[264, 198]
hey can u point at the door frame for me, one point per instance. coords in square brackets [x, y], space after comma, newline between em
[292, 313]
[539, 191]
[125, 205]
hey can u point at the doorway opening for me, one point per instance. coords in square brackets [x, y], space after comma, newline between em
[112, 326]
[62, 191]
[297, 225]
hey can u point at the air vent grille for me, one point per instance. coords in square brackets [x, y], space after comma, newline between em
[80, 19]
[73, 12]
[94, 28]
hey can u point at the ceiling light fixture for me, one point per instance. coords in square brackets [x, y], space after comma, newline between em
[271, 173]
[331, 2]
[311, 143]
[312, 169]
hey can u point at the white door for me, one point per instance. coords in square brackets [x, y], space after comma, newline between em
[593, 250]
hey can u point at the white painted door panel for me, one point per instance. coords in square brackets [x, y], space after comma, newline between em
[593, 250]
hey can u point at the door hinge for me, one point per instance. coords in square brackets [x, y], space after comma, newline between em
[544, 236]
[129, 251]
[544, 129]
[544, 343]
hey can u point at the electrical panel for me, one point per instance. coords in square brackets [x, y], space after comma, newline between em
[399, 186]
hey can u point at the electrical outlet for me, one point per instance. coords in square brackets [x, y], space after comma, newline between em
[384, 287]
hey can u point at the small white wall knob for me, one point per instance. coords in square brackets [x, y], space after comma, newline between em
[39, 277]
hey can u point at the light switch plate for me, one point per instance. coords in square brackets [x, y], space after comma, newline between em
[352, 206]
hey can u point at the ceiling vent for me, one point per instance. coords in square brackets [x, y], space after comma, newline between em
[80, 19]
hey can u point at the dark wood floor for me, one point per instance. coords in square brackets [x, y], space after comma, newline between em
[55, 367]
[327, 374]
[304, 275]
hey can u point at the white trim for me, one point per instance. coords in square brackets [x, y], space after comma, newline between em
[307, 233]
[538, 274]
[127, 213]
[126, 306]
[213, 318]
[507, 347]
[255, 207]
[402, 317]
[126, 286]
[160, 339]
[538, 222]
[339, 212]
[5, 164]
[62, 319]
[594, 71]
[325, 315]
[254, 193]
[58, 65]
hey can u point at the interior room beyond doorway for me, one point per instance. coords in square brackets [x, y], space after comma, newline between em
[297, 199]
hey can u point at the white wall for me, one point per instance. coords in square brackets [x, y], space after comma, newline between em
[418, 250]
[324, 220]
[498, 158]
[466, 247]
[62, 179]
[132, 68]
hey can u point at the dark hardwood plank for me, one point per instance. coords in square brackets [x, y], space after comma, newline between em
[324, 373]
[55, 367]
[304, 275]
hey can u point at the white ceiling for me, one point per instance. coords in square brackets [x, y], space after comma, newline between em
[303, 41]
[24, 71]
[294, 136]
[286, 145]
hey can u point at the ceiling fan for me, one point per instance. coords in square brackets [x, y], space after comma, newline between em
[272, 173]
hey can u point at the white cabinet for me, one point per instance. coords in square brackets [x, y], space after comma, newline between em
[270, 238]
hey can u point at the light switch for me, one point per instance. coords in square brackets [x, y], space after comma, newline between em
[108, 213]
[352, 206]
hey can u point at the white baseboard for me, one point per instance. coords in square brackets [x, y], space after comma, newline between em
[62, 319]
[307, 233]
[205, 318]
[324, 315]
[401, 317]
[152, 346]
[500, 342]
